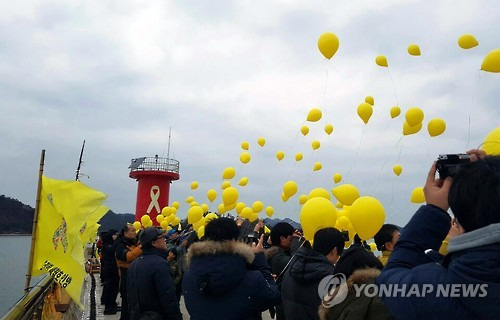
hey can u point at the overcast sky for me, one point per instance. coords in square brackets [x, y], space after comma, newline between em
[120, 73]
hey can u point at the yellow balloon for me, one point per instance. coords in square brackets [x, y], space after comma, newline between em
[145, 220]
[150, 224]
[211, 195]
[298, 156]
[170, 218]
[318, 193]
[491, 144]
[166, 211]
[164, 224]
[175, 221]
[467, 41]
[417, 195]
[317, 166]
[395, 111]
[337, 177]
[408, 130]
[189, 199]
[370, 100]
[246, 212]
[339, 205]
[228, 173]
[159, 218]
[280, 155]
[194, 185]
[414, 116]
[200, 232]
[290, 188]
[365, 111]
[314, 115]
[328, 129]
[257, 206]
[304, 130]
[245, 157]
[436, 127]
[195, 214]
[381, 61]
[328, 44]
[397, 169]
[229, 196]
[373, 247]
[221, 208]
[414, 49]
[343, 222]
[243, 181]
[245, 145]
[317, 213]
[367, 216]
[315, 144]
[261, 141]
[199, 224]
[253, 217]
[283, 197]
[239, 207]
[491, 62]
[174, 210]
[176, 205]
[225, 184]
[346, 193]
[302, 199]
[269, 211]
[194, 203]
[231, 206]
[205, 207]
[137, 225]
[211, 216]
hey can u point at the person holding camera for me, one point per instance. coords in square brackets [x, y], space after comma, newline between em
[226, 278]
[466, 285]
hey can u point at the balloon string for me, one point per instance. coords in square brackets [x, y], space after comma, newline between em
[437, 70]
[357, 152]
[324, 93]
[393, 86]
[473, 107]
[400, 151]
[383, 165]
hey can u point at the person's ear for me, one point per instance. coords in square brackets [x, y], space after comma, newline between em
[388, 246]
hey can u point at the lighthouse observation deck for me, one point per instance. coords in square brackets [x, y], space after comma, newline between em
[154, 165]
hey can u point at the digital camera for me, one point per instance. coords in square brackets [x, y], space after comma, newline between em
[449, 164]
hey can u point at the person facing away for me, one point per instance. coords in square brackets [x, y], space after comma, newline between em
[299, 288]
[359, 267]
[227, 279]
[151, 290]
[126, 251]
[386, 239]
[109, 273]
[472, 265]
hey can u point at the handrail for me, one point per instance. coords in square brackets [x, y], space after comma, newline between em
[28, 307]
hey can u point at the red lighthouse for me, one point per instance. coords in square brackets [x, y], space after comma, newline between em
[154, 176]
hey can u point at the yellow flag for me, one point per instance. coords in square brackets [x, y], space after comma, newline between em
[65, 206]
[88, 231]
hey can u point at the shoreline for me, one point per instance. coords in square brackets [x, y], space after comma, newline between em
[14, 234]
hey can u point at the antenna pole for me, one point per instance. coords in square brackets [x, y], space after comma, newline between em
[80, 163]
[169, 136]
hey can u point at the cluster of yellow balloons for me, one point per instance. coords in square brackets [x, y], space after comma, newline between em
[166, 219]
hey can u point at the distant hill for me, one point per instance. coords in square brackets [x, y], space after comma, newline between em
[17, 217]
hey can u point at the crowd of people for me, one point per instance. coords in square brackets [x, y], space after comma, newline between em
[237, 271]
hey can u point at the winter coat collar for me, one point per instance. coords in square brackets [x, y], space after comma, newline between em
[310, 265]
[212, 248]
[359, 276]
[155, 252]
[480, 237]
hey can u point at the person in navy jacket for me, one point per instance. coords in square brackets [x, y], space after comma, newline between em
[468, 279]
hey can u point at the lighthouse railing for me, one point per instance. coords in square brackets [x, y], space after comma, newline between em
[154, 164]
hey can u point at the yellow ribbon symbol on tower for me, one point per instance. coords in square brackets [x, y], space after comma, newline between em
[155, 195]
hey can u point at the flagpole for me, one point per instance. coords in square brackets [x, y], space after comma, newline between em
[35, 222]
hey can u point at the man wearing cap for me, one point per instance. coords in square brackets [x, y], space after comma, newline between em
[151, 291]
